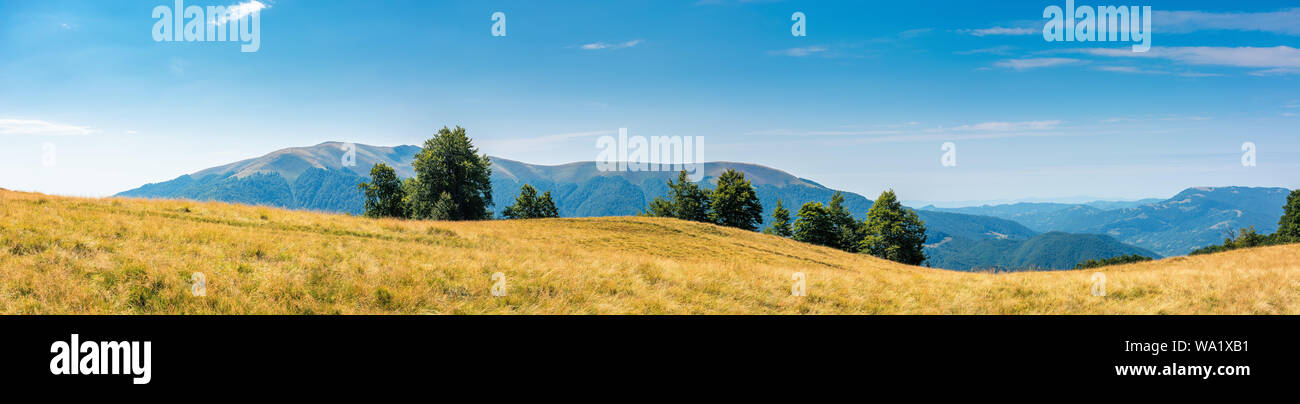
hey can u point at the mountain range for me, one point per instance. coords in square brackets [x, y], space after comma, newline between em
[991, 237]
[1193, 218]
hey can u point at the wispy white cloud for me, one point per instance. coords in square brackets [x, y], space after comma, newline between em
[1158, 118]
[913, 33]
[1034, 63]
[910, 133]
[1285, 22]
[856, 48]
[1197, 74]
[908, 124]
[1275, 60]
[996, 50]
[1276, 71]
[1185, 118]
[800, 52]
[39, 127]
[1009, 126]
[610, 45]
[1127, 69]
[1138, 70]
[237, 11]
[1000, 31]
[941, 137]
[788, 132]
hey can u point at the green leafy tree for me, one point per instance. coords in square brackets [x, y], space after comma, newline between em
[1239, 238]
[691, 200]
[893, 232]
[546, 206]
[686, 201]
[660, 207]
[1246, 238]
[384, 194]
[529, 206]
[445, 208]
[780, 222]
[410, 190]
[734, 202]
[847, 229]
[1288, 228]
[830, 225]
[815, 225]
[454, 180]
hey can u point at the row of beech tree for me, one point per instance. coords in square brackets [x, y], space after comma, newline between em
[453, 182]
[890, 231]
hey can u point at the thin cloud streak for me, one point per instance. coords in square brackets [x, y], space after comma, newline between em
[1035, 63]
[1000, 31]
[799, 52]
[983, 130]
[607, 45]
[1284, 22]
[39, 127]
[1275, 60]
[1010, 126]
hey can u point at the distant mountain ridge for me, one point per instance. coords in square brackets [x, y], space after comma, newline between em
[1193, 218]
[1047, 251]
[293, 178]
[1100, 203]
[316, 178]
[311, 178]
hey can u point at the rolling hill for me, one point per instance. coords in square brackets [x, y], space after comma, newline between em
[63, 255]
[314, 178]
[1047, 251]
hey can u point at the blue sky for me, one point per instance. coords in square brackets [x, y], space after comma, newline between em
[862, 103]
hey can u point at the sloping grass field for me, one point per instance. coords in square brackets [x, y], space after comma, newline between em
[63, 255]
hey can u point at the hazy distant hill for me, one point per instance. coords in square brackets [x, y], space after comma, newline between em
[1194, 218]
[1048, 251]
[314, 178]
[1108, 205]
[1039, 216]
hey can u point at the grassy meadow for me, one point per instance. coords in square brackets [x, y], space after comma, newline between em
[63, 255]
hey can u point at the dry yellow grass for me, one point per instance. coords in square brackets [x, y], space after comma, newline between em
[66, 255]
